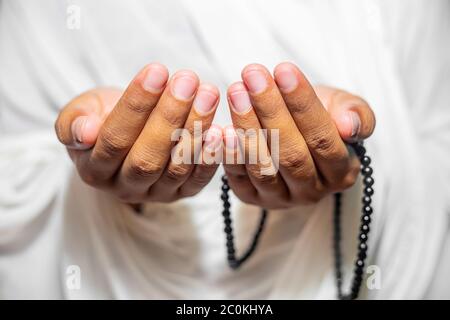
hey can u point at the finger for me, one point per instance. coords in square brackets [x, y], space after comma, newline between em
[125, 122]
[260, 167]
[79, 122]
[150, 153]
[312, 119]
[296, 164]
[352, 115]
[186, 153]
[234, 167]
[211, 157]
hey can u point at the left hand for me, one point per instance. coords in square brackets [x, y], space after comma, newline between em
[313, 124]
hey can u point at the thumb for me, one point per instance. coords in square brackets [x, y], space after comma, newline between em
[79, 122]
[352, 115]
[84, 131]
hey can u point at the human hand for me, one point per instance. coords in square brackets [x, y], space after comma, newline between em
[313, 125]
[121, 142]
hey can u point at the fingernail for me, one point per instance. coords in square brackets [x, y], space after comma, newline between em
[205, 100]
[213, 139]
[356, 123]
[155, 78]
[255, 80]
[184, 86]
[240, 101]
[286, 78]
[77, 129]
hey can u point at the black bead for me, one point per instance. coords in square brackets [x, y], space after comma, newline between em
[360, 151]
[363, 237]
[367, 210]
[358, 271]
[360, 263]
[368, 191]
[367, 200]
[365, 219]
[365, 161]
[365, 228]
[233, 262]
[366, 171]
[362, 247]
[368, 181]
[362, 255]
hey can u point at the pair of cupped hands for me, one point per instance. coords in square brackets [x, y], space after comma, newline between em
[122, 141]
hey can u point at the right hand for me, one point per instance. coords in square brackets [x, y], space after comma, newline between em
[121, 141]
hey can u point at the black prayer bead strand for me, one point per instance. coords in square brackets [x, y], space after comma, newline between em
[363, 237]
[233, 261]
[367, 210]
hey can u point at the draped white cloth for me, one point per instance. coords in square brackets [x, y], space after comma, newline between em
[393, 53]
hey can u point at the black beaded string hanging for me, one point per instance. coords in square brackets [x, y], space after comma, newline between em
[233, 261]
[367, 210]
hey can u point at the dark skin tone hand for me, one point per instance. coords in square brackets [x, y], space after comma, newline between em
[313, 124]
[120, 141]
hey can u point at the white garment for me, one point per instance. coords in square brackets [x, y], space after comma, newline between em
[394, 54]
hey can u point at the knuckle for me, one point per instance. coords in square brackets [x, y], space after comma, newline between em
[298, 165]
[201, 179]
[325, 145]
[320, 142]
[176, 173]
[140, 167]
[295, 161]
[173, 119]
[112, 144]
[302, 105]
[267, 179]
[137, 105]
[271, 110]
